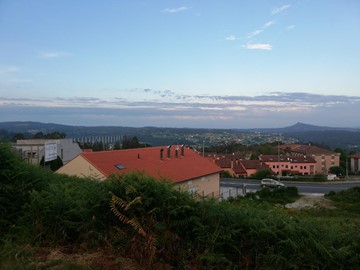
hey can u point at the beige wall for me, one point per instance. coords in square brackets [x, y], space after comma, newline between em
[205, 186]
[325, 162]
[80, 167]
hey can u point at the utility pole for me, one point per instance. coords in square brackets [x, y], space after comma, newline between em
[203, 148]
[278, 159]
[347, 167]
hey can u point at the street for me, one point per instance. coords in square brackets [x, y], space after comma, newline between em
[233, 187]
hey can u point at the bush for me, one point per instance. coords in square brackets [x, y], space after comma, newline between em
[276, 196]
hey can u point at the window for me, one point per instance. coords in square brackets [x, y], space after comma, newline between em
[192, 190]
[31, 154]
[304, 167]
[120, 166]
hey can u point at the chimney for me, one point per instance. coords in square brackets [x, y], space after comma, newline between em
[168, 151]
[182, 150]
[177, 151]
[161, 154]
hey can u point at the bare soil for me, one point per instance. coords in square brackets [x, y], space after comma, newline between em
[311, 201]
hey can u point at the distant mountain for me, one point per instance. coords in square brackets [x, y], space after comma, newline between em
[300, 127]
[333, 137]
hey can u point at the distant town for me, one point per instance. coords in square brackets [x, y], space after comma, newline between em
[239, 153]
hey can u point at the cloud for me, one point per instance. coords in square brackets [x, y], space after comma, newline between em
[53, 54]
[259, 46]
[259, 31]
[254, 33]
[268, 24]
[279, 9]
[290, 27]
[175, 10]
[8, 69]
[188, 111]
[231, 38]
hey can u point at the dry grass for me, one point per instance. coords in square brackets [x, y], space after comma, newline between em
[56, 258]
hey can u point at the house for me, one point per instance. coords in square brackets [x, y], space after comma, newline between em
[178, 164]
[325, 159]
[235, 164]
[33, 150]
[248, 168]
[355, 163]
[286, 164]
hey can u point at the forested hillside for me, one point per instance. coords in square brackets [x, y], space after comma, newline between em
[136, 222]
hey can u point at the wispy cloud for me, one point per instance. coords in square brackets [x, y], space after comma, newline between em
[231, 38]
[259, 46]
[279, 9]
[254, 33]
[268, 24]
[8, 69]
[290, 27]
[53, 54]
[196, 110]
[259, 31]
[175, 10]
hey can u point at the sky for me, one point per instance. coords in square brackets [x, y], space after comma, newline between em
[191, 63]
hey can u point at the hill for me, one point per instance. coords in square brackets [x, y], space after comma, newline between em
[333, 137]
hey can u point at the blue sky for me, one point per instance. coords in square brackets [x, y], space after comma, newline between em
[206, 63]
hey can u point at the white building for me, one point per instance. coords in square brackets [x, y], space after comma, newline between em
[33, 150]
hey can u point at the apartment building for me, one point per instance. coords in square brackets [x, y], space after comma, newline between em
[325, 159]
[286, 164]
[355, 163]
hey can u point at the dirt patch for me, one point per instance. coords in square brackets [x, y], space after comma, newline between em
[56, 258]
[311, 201]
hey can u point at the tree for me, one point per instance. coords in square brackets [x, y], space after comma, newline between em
[39, 135]
[55, 135]
[337, 170]
[128, 143]
[54, 164]
[117, 145]
[343, 157]
[18, 136]
[260, 174]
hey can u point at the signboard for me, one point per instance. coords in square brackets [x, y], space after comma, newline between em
[50, 151]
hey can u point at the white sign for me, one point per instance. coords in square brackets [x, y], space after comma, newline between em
[50, 151]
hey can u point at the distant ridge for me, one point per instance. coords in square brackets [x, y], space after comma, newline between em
[30, 126]
[299, 127]
[332, 137]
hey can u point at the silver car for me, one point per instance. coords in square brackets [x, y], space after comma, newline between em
[271, 183]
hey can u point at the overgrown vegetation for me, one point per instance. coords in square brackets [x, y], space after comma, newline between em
[159, 227]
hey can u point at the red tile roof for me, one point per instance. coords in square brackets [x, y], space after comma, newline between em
[305, 149]
[355, 156]
[292, 159]
[175, 169]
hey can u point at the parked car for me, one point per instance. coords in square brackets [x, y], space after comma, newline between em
[271, 183]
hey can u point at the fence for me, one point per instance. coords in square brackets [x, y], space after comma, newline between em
[225, 193]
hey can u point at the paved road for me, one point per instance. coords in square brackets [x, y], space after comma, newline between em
[236, 186]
